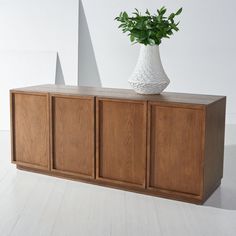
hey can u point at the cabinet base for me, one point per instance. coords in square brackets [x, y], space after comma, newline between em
[157, 193]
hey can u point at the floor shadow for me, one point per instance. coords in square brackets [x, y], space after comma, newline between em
[59, 78]
[225, 196]
[88, 74]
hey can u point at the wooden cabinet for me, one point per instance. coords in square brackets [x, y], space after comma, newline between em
[168, 145]
[73, 148]
[30, 129]
[121, 141]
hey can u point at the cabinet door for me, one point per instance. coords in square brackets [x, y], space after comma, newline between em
[175, 151]
[30, 129]
[121, 141]
[73, 135]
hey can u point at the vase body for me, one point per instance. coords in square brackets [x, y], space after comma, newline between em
[149, 76]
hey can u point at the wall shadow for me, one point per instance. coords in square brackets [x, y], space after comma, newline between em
[59, 77]
[88, 74]
[225, 196]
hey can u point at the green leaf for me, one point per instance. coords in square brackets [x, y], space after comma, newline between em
[172, 15]
[139, 25]
[136, 14]
[132, 38]
[175, 27]
[148, 27]
[179, 11]
[147, 12]
[162, 11]
[159, 18]
[121, 25]
[151, 41]
[125, 15]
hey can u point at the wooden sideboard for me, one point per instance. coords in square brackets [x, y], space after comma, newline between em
[169, 145]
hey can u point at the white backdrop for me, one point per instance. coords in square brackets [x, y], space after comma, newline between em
[200, 58]
[42, 25]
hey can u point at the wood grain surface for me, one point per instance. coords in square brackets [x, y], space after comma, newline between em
[73, 135]
[121, 141]
[175, 148]
[214, 145]
[30, 129]
[167, 97]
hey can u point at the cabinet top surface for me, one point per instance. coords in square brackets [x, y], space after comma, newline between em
[128, 94]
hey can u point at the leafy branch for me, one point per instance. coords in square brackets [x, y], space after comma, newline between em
[148, 29]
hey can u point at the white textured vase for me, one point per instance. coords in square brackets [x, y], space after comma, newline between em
[149, 76]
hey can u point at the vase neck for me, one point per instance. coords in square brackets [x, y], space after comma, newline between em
[150, 50]
[150, 46]
[149, 57]
[150, 54]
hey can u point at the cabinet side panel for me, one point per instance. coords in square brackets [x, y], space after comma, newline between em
[30, 124]
[214, 147]
[176, 149]
[122, 141]
[12, 127]
[73, 135]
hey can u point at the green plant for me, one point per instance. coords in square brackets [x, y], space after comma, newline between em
[148, 29]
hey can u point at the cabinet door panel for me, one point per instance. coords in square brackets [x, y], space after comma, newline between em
[175, 154]
[73, 135]
[121, 137]
[30, 130]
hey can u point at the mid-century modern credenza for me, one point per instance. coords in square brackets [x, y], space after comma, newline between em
[169, 145]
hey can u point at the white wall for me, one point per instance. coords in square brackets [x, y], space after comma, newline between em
[42, 25]
[200, 58]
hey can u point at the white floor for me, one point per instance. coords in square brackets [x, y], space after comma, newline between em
[33, 204]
